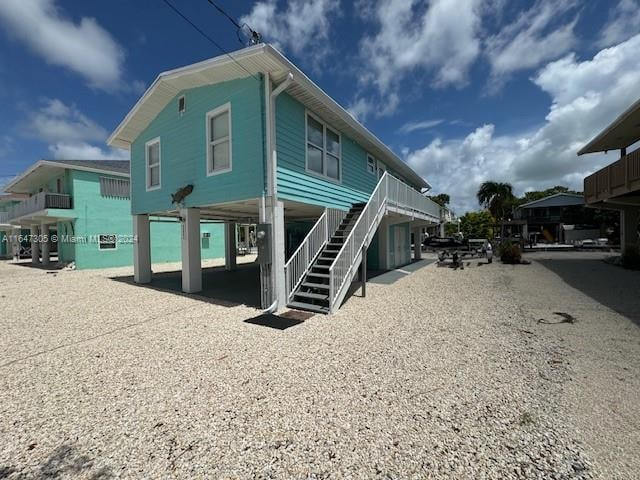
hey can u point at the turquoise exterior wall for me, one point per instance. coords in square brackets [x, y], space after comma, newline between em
[96, 215]
[295, 183]
[183, 149]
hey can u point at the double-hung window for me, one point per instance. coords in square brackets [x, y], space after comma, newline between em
[219, 140]
[324, 150]
[152, 154]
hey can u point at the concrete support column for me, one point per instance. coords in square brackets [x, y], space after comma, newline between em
[278, 256]
[44, 235]
[230, 246]
[35, 246]
[442, 230]
[191, 255]
[629, 220]
[141, 249]
[15, 244]
[247, 241]
[417, 243]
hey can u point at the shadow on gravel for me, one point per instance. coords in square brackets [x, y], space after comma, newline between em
[64, 462]
[609, 285]
[219, 286]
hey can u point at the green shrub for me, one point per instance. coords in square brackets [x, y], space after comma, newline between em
[631, 258]
[510, 252]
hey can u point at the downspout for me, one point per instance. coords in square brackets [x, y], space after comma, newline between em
[272, 163]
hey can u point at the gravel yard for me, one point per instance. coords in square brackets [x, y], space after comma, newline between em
[443, 374]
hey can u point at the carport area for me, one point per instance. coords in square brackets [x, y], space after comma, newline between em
[239, 279]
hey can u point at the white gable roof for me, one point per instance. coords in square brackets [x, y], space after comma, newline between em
[253, 60]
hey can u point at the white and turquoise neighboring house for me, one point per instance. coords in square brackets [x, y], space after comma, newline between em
[9, 248]
[80, 211]
[251, 139]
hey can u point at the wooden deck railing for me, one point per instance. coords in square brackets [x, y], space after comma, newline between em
[618, 178]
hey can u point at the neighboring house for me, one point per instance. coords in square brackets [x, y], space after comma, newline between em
[617, 186]
[560, 218]
[9, 234]
[258, 142]
[79, 211]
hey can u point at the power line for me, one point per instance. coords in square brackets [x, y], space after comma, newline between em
[186, 19]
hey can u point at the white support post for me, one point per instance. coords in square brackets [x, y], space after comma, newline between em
[191, 255]
[141, 249]
[629, 220]
[417, 243]
[230, 250]
[247, 242]
[35, 246]
[15, 244]
[442, 230]
[44, 235]
[279, 278]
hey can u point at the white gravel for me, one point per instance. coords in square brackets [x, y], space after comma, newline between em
[443, 374]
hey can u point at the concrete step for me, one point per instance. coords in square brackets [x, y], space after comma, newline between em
[321, 286]
[314, 296]
[308, 306]
[318, 275]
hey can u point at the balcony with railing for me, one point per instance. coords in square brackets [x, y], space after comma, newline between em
[38, 203]
[4, 218]
[619, 178]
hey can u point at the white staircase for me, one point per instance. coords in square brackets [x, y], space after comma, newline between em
[322, 268]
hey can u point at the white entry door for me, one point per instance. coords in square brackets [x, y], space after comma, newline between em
[400, 244]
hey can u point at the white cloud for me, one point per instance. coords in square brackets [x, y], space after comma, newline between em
[57, 122]
[443, 40]
[438, 41]
[623, 22]
[585, 97]
[303, 27]
[84, 47]
[535, 37]
[422, 125]
[69, 133]
[85, 151]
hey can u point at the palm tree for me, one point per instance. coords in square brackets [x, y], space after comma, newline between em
[496, 197]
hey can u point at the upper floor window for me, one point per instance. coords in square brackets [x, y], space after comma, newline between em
[152, 148]
[219, 140]
[371, 164]
[182, 106]
[324, 152]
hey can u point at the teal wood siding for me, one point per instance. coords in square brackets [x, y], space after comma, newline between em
[96, 215]
[183, 149]
[295, 183]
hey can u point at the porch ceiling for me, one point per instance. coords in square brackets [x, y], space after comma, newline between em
[39, 218]
[248, 211]
[622, 132]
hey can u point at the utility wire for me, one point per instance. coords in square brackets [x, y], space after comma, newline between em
[186, 19]
[254, 37]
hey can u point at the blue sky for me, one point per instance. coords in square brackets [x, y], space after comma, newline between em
[464, 91]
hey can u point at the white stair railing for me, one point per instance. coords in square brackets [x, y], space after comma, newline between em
[389, 193]
[298, 264]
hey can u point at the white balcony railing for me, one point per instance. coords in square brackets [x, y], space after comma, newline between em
[390, 193]
[4, 218]
[39, 201]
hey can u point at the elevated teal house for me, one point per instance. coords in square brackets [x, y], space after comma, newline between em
[249, 138]
[80, 211]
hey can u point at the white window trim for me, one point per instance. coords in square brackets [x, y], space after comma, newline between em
[374, 164]
[213, 113]
[108, 249]
[323, 175]
[147, 167]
